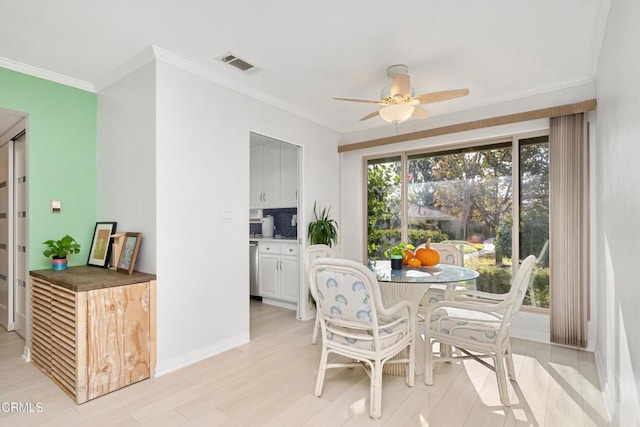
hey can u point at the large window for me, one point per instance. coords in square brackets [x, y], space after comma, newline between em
[467, 197]
[384, 201]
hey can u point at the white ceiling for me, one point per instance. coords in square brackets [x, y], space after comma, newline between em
[308, 53]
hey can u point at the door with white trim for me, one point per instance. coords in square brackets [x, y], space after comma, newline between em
[20, 222]
[6, 291]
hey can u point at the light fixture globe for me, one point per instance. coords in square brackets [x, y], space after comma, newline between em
[397, 113]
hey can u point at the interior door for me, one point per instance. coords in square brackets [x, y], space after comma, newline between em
[20, 264]
[6, 291]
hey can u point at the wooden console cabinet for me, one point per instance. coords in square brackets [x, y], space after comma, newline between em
[93, 330]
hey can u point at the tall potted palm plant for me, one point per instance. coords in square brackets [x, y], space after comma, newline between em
[323, 229]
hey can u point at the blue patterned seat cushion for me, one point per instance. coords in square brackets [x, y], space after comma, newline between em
[363, 339]
[466, 324]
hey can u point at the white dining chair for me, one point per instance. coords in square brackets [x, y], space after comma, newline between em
[312, 253]
[355, 324]
[477, 324]
[449, 254]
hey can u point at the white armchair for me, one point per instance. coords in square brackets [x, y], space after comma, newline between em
[312, 253]
[355, 324]
[478, 326]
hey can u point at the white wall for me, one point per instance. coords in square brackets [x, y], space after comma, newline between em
[126, 159]
[173, 160]
[618, 177]
[526, 325]
[202, 174]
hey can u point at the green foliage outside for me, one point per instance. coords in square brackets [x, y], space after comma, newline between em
[497, 279]
[466, 195]
[382, 205]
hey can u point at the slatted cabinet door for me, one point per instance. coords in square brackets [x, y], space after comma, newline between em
[41, 324]
[57, 336]
[68, 315]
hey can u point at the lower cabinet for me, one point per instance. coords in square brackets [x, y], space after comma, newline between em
[93, 342]
[279, 271]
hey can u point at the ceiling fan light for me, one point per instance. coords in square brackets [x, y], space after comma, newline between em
[397, 113]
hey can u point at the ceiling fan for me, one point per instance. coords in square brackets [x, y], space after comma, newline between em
[398, 102]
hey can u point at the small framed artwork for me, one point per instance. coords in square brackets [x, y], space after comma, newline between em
[101, 244]
[129, 253]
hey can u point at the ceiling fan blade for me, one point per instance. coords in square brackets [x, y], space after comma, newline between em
[420, 113]
[429, 98]
[367, 101]
[370, 116]
[401, 85]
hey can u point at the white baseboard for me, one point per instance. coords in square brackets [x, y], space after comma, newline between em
[26, 354]
[543, 338]
[277, 303]
[607, 393]
[195, 356]
[529, 335]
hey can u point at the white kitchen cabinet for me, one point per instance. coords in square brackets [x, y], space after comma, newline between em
[279, 271]
[274, 175]
[269, 275]
[288, 175]
[290, 278]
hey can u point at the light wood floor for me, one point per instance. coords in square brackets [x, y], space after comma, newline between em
[270, 382]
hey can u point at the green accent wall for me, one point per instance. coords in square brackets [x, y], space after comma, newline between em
[61, 141]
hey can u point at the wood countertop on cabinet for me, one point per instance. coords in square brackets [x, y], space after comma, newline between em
[86, 278]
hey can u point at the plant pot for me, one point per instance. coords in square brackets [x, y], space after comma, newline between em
[58, 263]
[396, 262]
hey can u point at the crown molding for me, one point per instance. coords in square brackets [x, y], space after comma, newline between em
[45, 74]
[538, 91]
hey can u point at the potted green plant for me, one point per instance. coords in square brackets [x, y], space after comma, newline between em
[323, 230]
[396, 253]
[59, 249]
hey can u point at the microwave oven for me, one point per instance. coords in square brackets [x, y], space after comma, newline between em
[255, 215]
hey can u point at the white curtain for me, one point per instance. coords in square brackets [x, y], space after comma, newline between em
[569, 240]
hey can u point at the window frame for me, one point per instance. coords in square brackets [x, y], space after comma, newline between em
[482, 143]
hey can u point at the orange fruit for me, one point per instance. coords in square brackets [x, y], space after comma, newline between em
[407, 256]
[414, 262]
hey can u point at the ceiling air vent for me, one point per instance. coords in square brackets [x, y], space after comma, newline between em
[236, 62]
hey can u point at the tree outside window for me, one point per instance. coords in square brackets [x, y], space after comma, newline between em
[466, 197]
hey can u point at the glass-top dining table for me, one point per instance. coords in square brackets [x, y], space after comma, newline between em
[411, 284]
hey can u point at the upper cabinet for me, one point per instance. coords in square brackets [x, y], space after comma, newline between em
[274, 174]
[288, 175]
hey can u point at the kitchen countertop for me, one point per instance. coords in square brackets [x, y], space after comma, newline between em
[274, 239]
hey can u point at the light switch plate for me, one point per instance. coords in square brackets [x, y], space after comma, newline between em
[56, 206]
[225, 216]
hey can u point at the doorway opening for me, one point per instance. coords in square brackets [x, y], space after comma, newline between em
[13, 222]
